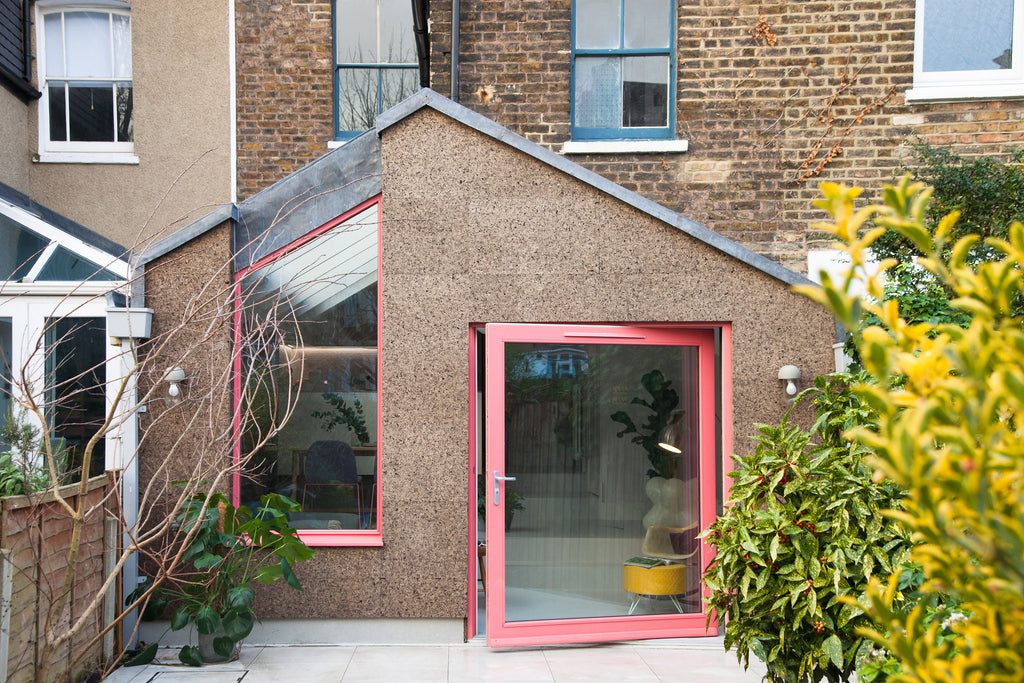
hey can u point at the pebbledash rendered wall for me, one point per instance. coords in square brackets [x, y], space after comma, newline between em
[476, 230]
[753, 103]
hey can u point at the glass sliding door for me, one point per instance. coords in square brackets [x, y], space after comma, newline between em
[599, 476]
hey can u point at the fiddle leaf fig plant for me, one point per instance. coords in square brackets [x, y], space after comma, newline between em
[663, 401]
[230, 550]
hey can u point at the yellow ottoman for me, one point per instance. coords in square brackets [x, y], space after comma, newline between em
[662, 579]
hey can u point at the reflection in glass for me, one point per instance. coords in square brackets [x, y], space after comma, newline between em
[968, 35]
[19, 249]
[599, 496]
[323, 295]
[76, 387]
[88, 70]
[66, 265]
[645, 91]
[376, 59]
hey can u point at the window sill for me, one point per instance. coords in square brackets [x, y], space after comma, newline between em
[341, 539]
[961, 92]
[625, 147]
[86, 158]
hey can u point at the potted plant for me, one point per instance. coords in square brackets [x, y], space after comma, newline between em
[229, 549]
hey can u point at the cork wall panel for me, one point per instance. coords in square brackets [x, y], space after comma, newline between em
[190, 290]
[475, 231]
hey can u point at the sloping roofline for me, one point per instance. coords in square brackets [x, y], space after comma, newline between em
[11, 196]
[351, 174]
[482, 124]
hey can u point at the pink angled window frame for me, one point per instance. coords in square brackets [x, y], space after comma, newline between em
[314, 537]
[502, 634]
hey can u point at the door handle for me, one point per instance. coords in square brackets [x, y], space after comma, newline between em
[497, 485]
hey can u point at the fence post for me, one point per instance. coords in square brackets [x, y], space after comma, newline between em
[6, 584]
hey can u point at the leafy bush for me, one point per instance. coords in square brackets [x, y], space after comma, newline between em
[22, 467]
[803, 528]
[230, 549]
[949, 431]
[987, 192]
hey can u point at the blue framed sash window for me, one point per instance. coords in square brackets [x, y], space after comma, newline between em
[623, 69]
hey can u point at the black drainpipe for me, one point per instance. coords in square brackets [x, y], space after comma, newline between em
[456, 23]
[419, 28]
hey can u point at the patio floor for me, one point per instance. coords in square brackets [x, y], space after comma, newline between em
[687, 660]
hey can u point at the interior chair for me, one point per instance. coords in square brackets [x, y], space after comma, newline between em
[330, 466]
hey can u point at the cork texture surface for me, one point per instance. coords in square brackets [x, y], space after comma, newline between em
[475, 231]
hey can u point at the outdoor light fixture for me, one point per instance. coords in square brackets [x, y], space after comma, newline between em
[174, 377]
[672, 436]
[789, 374]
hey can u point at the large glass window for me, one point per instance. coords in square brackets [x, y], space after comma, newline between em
[964, 48]
[375, 60]
[623, 66]
[310, 321]
[86, 68]
[26, 256]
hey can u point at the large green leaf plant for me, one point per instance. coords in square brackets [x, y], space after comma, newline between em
[803, 528]
[230, 550]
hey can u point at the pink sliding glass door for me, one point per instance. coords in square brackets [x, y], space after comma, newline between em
[599, 472]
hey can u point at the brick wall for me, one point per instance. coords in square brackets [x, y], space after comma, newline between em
[284, 88]
[753, 112]
[36, 533]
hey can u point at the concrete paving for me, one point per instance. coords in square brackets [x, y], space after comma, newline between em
[677, 660]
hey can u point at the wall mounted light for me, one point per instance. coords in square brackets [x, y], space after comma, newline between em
[174, 378]
[789, 374]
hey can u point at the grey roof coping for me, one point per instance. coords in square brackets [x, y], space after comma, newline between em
[351, 174]
[63, 223]
[186, 234]
[308, 198]
[482, 124]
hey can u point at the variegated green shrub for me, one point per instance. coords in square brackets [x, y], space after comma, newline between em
[803, 528]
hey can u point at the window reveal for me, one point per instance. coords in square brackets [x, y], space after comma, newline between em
[324, 293]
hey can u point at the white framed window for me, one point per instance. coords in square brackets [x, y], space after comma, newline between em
[965, 49]
[85, 74]
[53, 336]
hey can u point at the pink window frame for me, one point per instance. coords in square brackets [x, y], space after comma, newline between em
[314, 537]
[612, 628]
